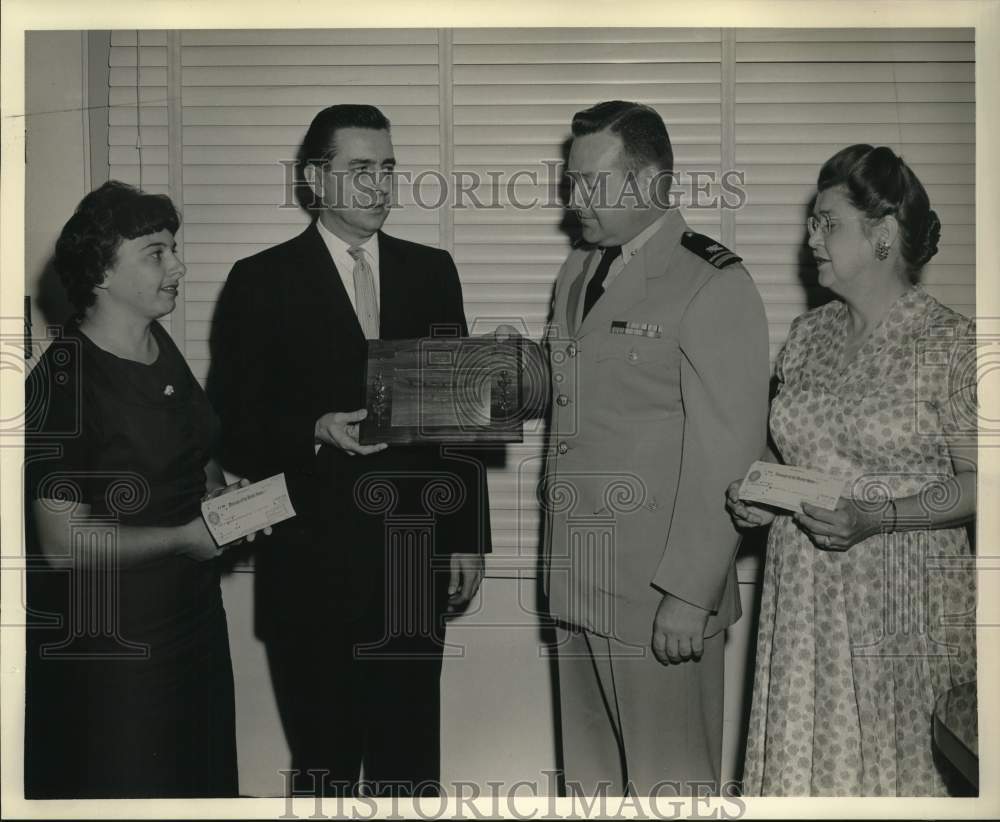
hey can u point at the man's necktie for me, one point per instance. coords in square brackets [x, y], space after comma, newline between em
[595, 288]
[364, 293]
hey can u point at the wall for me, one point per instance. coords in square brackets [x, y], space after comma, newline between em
[66, 127]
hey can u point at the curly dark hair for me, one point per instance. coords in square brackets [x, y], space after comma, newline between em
[89, 241]
[879, 183]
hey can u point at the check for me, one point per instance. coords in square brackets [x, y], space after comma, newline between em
[788, 486]
[242, 511]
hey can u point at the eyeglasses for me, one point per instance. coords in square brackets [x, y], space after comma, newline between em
[823, 224]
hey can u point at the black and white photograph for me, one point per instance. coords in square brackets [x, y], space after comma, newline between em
[542, 412]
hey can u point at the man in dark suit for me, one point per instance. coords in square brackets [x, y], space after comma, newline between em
[351, 594]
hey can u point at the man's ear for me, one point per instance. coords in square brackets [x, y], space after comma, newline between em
[649, 179]
[314, 180]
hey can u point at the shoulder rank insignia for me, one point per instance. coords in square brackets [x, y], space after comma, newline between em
[709, 250]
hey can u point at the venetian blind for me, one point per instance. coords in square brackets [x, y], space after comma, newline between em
[803, 95]
[138, 119]
[514, 95]
[222, 114]
[248, 98]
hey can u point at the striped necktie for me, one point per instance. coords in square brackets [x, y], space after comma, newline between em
[364, 293]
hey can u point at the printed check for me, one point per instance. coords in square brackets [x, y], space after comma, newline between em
[245, 510]
[788, 486]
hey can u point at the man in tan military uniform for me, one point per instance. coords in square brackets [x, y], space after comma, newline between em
[658, 356]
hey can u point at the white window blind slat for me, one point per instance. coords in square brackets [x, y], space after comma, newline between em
[267, 135]
[559, 115]
[288, 115]
[322, 75]
[151, 56]
[819, 52]
[581, 96]
[879, 35]
[826, 92]
[526, 55]
[126, 115]
[307, 56]
[315, 96]
[308, 37]
[850, 72]
[126, 135]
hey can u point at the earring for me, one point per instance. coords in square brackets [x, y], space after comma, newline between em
[881, 249]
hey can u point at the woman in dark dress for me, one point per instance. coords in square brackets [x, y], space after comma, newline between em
[129, 689]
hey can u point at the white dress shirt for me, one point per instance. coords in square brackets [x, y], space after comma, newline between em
[345, 262]
[629, 250]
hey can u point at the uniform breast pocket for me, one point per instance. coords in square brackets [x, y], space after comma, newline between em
[639, 376]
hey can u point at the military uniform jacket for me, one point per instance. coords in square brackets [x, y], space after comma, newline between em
[659, 400]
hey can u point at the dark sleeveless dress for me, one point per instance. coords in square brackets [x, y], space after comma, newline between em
[129, 685]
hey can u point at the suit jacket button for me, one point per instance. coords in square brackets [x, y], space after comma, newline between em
[633, 356]
[571, 349]
[562, 399]
[562, 448]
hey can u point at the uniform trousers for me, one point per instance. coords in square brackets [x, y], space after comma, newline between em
[631, 725]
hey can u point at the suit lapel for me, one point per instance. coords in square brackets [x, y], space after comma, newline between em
[574, 299]
[392, 294]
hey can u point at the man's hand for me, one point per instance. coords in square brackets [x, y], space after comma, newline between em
[678, 630]
[340, 429]
[466, 574]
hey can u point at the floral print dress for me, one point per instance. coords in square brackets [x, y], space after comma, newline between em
[854, 647]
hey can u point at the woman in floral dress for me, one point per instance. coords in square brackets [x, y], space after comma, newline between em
[867, 611]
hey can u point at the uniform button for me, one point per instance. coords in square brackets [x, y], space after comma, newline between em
[633, 356]
[562, 399]
[559, 378]
[562, 448]
[571, 350]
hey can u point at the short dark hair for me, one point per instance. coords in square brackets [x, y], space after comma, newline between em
[89, 241]
[878, 184]
[319, 144]
[644, 135]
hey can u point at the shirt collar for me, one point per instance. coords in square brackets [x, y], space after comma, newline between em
[631, 248]
[338, 247]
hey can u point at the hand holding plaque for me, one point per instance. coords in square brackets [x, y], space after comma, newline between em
[442, 390]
